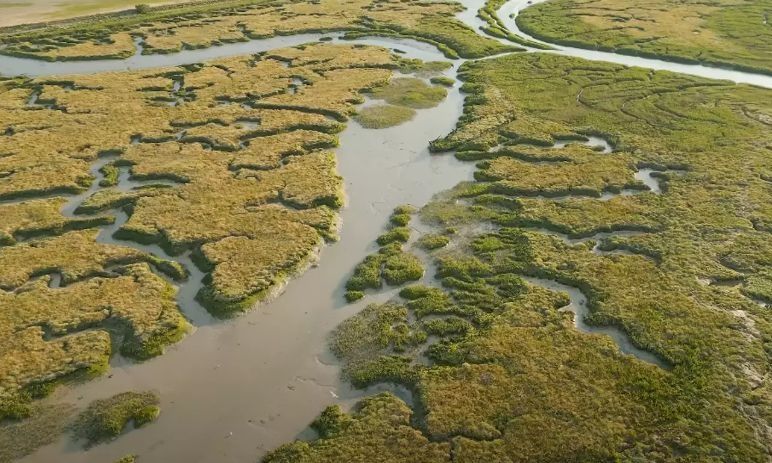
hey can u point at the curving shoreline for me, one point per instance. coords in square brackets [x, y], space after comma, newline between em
[209, 373]
[226, 341]
[17, 66]
[508, 14]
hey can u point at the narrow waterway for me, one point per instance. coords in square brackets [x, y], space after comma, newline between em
[186, 290]
[578, 306]
[234, 390]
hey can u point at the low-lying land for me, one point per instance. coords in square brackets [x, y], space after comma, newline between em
[100, 421]
[107, 418]
[403, 96]
[391, 263]
[497, 370]
[204, 24]
[246, 184]
[729, 33]
[33, 11]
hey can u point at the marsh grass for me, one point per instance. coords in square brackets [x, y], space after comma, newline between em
[127, 459]
[383, 116]
[245, 182]
[724, 33]
[431, 241]
[204, 24]
[106, 419]
[391, 263]
[495, 367]
[381, 424]
[443, 80]
[409, 92]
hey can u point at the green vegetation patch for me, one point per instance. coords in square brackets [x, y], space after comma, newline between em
[391, 263]
[106, 419]
[410, 92]
[432, 241]
[443, 80]
[724, 33]
[503, 373]
[379, 424]
[399, 268]
[383, 116]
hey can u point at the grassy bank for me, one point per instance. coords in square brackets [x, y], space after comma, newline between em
[727, 33]
[247, 184]
[202, 24]
[496, 370]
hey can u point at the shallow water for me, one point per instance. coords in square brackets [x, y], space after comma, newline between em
[593, 141]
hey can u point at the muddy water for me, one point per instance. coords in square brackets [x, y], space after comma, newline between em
[508, 14]
[236, 389]
[592, 141]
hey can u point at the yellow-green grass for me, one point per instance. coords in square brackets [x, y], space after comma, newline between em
[509, 377]
[75, 256]
[246, 183]
[432, 241]
[383, 116]
[729, 33]
[39, 217]
[50, 333]
[204, 24]
[410, 92]
[391, 263]
[106, 419]
[34, 11]
[443, 80]
[378, 430]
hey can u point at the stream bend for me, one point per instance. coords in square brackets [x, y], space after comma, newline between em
[208, 374]
[508, 15]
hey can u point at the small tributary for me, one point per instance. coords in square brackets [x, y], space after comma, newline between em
[187, 289]
[578, 306]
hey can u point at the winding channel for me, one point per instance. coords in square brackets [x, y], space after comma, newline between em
[508, 15]
[187, 289]
[235, 390]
